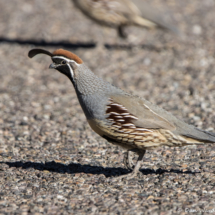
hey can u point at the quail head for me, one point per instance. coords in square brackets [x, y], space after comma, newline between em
[121, 118]
[121, 13]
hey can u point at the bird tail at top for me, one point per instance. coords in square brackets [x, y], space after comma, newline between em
[138, 20]
[151, 17]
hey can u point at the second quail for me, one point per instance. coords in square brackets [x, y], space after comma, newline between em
[121, 13]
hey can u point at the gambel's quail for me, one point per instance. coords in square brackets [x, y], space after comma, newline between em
[121, 118]
[121, 13]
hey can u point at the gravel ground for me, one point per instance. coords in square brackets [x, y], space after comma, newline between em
[51, 162]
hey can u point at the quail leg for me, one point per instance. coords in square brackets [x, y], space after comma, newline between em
[136, 168]
[121, 32]
[128, 161]
[100, 41]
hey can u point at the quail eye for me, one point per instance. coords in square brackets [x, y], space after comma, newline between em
[63, 62]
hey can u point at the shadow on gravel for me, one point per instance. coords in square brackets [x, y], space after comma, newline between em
[78, 168]
[161, 171]
[67, 44]
[64, 44]
[149, 47]
[71, 168]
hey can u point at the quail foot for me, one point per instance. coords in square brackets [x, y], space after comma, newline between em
[121, 13]
[121, 118]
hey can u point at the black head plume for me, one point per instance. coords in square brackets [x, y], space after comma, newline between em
[34, 52]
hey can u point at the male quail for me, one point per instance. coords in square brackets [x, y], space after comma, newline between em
[121, 13]
[121, 118]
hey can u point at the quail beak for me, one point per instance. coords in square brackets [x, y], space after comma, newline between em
[52, 66]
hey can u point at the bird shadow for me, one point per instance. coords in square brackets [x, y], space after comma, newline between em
[73, 168]
[63, 44]
[149, 47]
[70, 45]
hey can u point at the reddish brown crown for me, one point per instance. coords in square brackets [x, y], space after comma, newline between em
[68, 54]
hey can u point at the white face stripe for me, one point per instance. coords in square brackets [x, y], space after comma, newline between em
[71, 70]
[68, 61]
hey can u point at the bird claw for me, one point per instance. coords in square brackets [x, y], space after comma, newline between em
[128, 163]
[124, 177]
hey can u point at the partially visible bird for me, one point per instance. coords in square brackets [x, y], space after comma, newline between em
[121, 13]
[121, 118]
